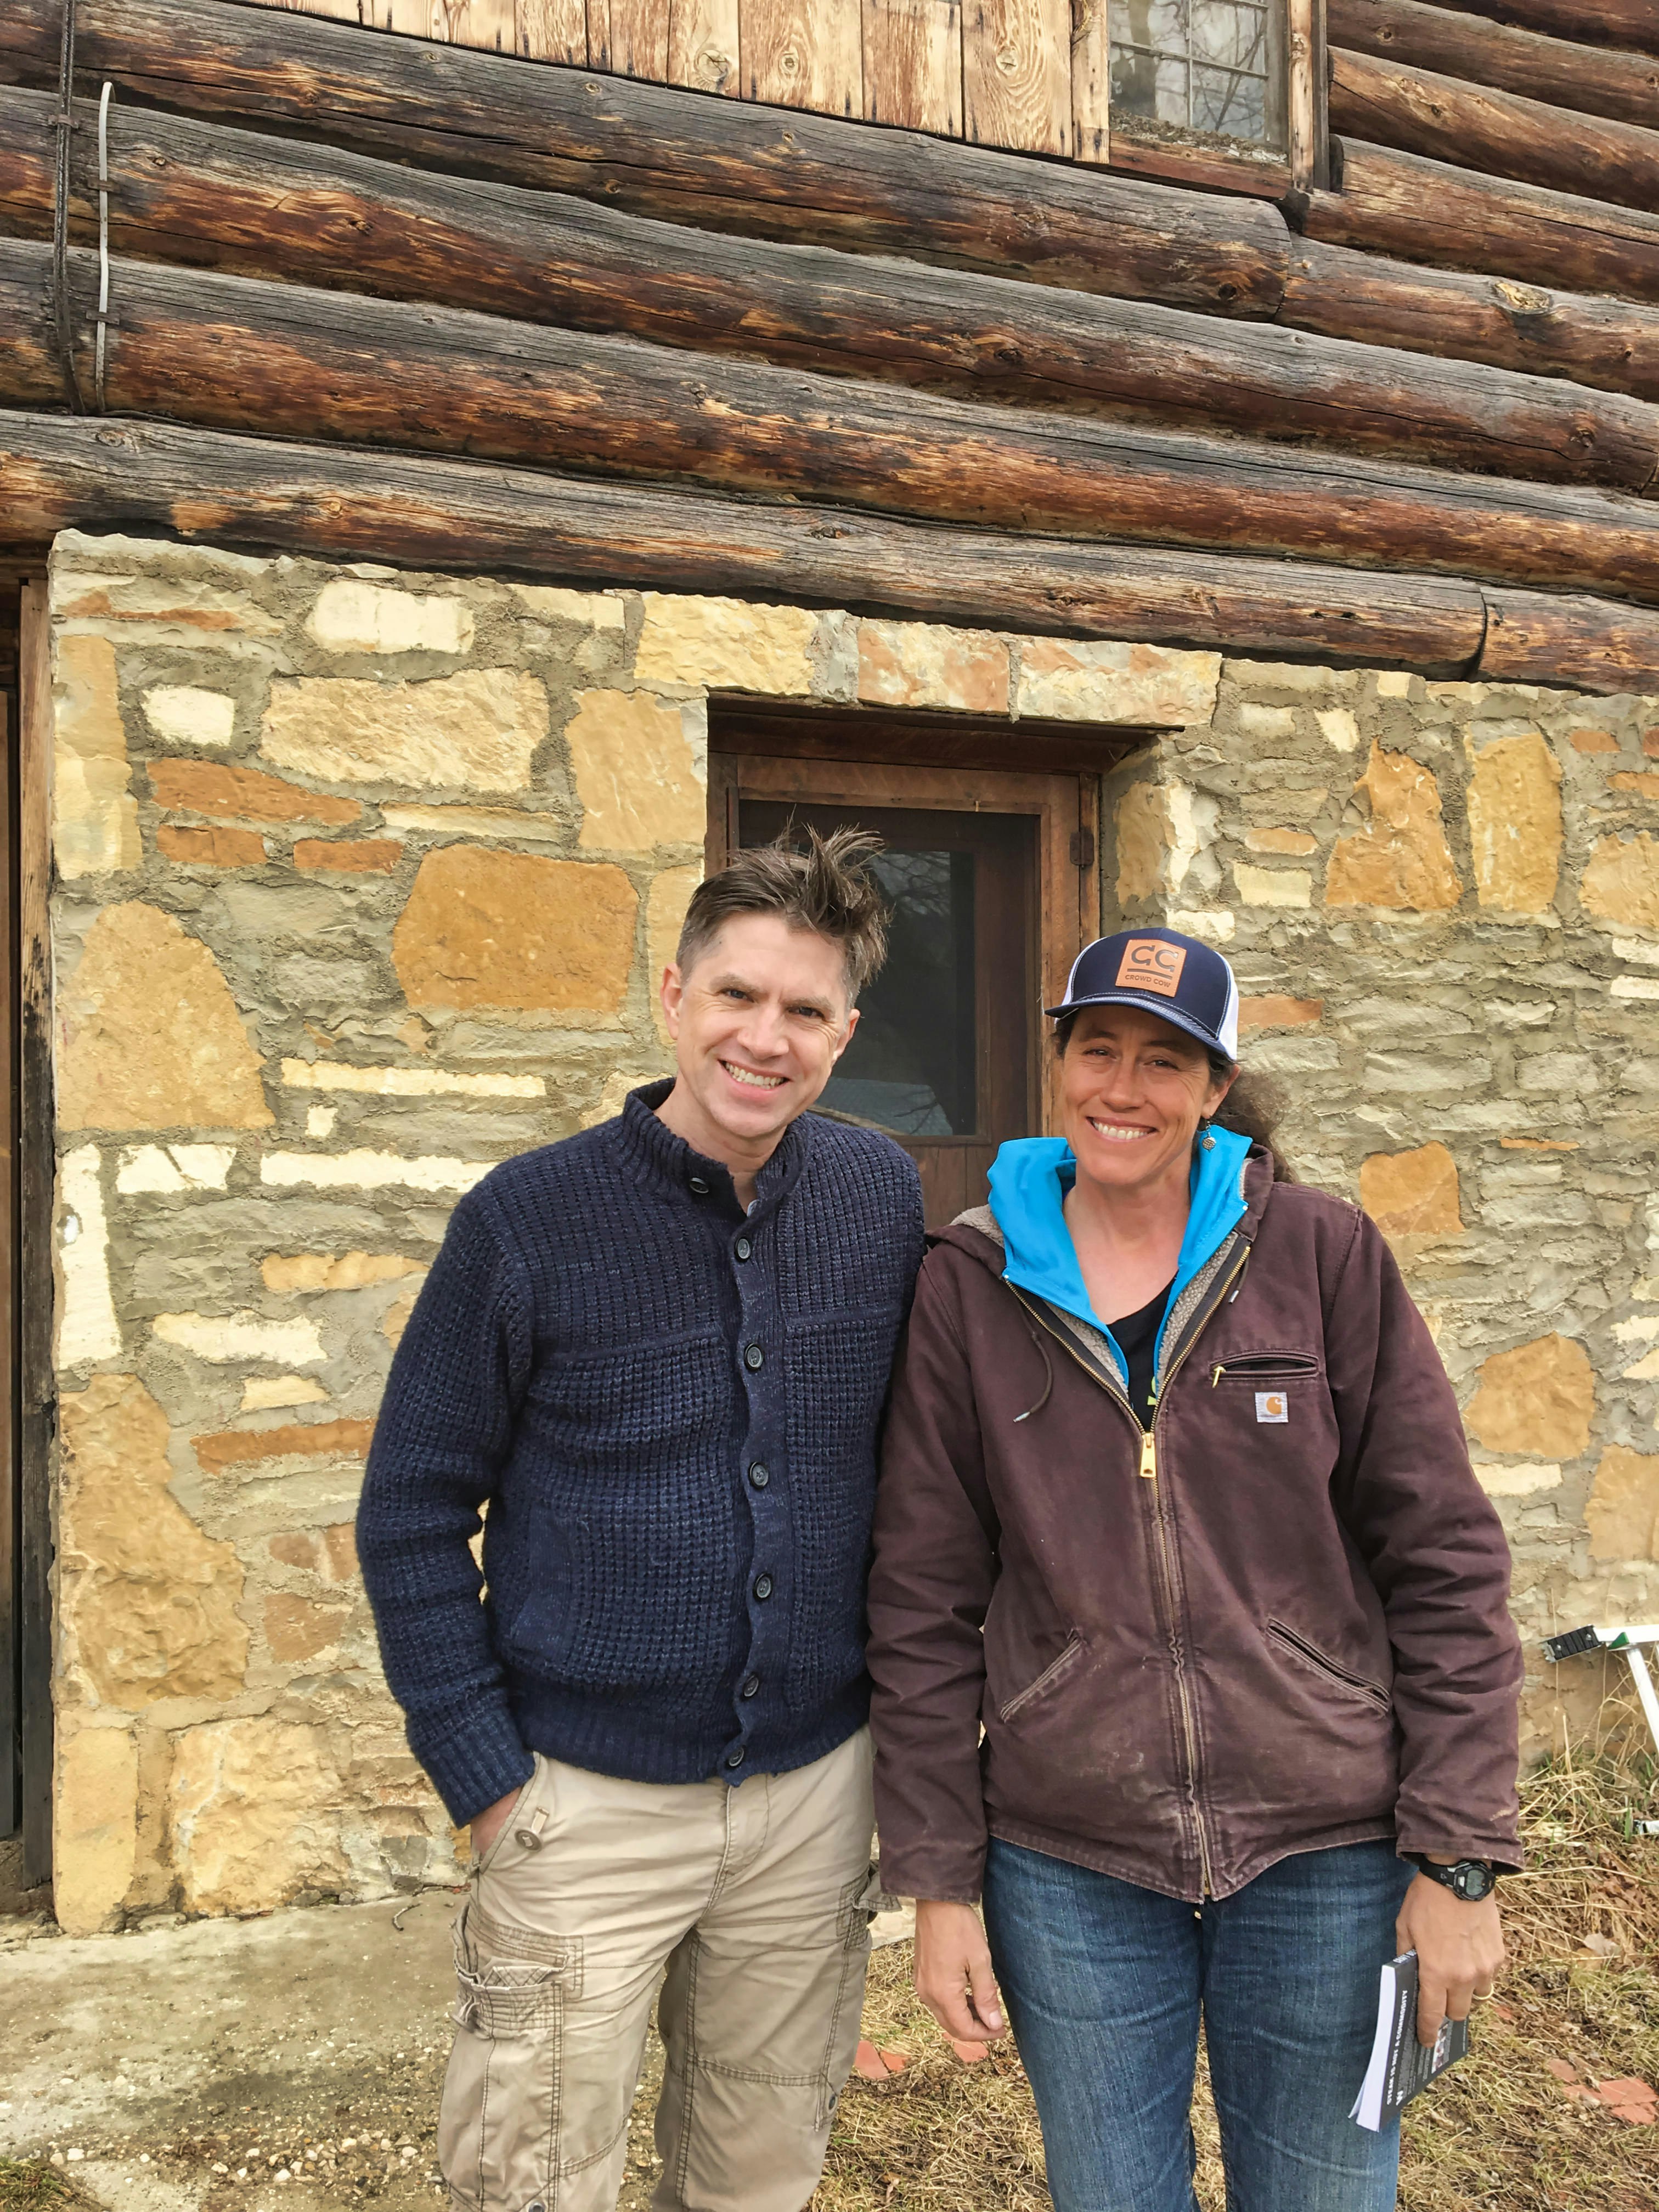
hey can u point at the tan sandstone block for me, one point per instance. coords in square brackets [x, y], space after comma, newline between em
[299, 1440]
[485, 928]
[264, 1394]
[1104, 681]
[1272, 886]
[241, 794]
[1274, 1012]
[930, 664]
[595, 610]
[1515, 824]
[1539, 1398]
[148, 1599]
[1400, 859]
[185, 714]
[149, 1035]
[94, 826]
[294, 1547]
[216, 848]
[348, 856]
[189, 602]
[1160, 832]
[478, 729]
[94, 1824]
[297, 1629]
[1297, 842]
[395, 1319]
[1595, 741]
[251, 1804]
[352, 617]
[664, 917]
[642, 778]
[1644, 783]
[1412, 1194]
[1621, 883]
[726, 644]
[340, 1551]
[330, 1271]
[1622, 1510]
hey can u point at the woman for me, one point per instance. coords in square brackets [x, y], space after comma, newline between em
[1174, 1505]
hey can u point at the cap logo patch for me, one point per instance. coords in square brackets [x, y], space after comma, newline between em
[1150, 964]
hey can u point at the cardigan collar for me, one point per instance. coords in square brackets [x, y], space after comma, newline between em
[665, 1163]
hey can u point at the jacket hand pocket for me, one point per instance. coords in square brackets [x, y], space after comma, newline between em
[1375, 1694]
[1062, 1664]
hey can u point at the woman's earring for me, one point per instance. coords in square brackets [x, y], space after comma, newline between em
[1209, 1141]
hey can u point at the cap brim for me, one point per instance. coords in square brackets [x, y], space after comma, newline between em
[1161, 1007]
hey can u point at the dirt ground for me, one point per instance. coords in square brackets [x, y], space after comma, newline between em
[294, 2061]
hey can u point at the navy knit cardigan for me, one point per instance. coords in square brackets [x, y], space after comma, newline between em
[672, 1410]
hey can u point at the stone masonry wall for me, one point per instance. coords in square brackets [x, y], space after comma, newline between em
[1442, 903]
[364, 880]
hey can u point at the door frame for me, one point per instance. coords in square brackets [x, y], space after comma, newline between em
[958, 763]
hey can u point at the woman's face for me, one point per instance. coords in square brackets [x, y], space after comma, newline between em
[1134, 1090]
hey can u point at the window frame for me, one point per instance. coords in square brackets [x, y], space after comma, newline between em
[1233, 166]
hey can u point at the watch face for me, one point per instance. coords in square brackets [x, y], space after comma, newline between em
[1474, 1881]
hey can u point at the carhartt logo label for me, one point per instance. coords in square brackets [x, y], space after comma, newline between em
[1271, 1405]
[1150, 964]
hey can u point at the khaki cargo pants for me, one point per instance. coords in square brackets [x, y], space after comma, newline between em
[757, 1900]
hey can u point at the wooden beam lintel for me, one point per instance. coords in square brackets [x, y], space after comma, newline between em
[58, 473]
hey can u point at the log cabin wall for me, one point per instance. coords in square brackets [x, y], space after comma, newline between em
[452, 379]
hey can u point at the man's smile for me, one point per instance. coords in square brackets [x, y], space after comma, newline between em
[751, 1076]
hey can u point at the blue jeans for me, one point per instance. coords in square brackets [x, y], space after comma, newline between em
[1105, 1982]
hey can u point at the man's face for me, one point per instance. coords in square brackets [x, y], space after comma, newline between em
[758, 1024]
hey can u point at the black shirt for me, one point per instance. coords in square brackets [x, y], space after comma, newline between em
[1137, 1338]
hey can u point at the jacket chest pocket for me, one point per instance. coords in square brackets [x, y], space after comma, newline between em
[1263, 1370]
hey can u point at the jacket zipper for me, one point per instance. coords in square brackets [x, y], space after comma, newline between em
[1149, 1471]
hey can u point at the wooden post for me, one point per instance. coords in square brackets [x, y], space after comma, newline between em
[34, 1183]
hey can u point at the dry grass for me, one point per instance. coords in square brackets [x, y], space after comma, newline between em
[1500, 2134]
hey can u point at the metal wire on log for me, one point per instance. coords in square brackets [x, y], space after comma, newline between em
[64, 123]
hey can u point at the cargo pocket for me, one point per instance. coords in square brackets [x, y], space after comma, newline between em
[499, 2135]
[860, 1901]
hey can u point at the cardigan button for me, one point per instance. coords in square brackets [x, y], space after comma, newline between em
[745, 1248]
[750, 1686]
[735, 1758]
[753, 1357]
[700, 1186]
[759, 1474]
[762, 1586]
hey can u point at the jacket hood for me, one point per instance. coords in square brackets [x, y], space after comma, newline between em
[1030, 1179]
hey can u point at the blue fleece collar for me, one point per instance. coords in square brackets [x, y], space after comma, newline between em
[1030, 1179]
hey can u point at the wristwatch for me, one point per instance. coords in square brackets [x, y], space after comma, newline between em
[1470, 1878]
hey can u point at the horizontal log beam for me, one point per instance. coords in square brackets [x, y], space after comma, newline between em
[231, 354]
[339, 503]
[1622, 87]
[1632, 24]
[1421, 111]
[186, 191]
[1612, 344]
[720, 164]
[640, 146]
[1422, 210]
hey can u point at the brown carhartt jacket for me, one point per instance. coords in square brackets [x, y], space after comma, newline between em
[1278, 1624]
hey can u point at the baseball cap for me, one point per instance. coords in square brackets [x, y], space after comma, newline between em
[1179, 979]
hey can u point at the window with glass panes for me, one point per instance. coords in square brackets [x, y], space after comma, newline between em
[1210, 66]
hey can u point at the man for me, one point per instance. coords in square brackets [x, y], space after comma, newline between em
[660, 1352]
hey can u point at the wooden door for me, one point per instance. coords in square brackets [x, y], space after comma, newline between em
[982, 870]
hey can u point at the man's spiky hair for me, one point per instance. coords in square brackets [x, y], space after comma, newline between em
[823, 883]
